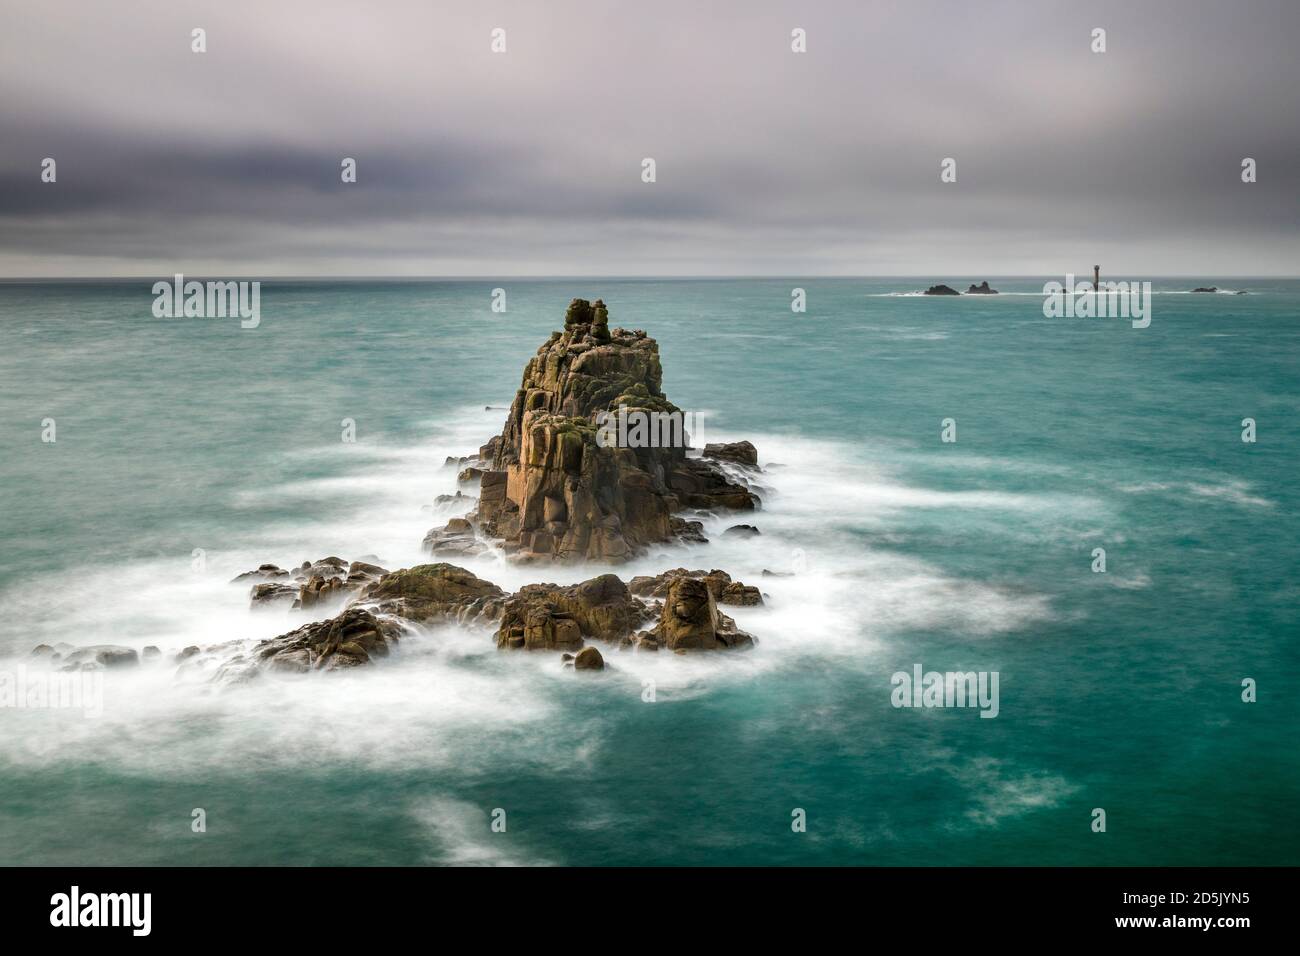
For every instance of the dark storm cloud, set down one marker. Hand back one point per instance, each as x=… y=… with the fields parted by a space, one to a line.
x=768 y=161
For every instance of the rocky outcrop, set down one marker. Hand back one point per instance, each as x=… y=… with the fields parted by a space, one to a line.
x=265 y=572
x=459 y=498
x=679 y=607
x=981 y=289
x=738 y=452
x=457 y=539
x=273 y=594
x=313 y=584
x=656 y=586
x=700 y=484
x=433 y=592
x=1206 y=289
x=351 y=639
x=689 y=532
x=320 y=591
x=719 y=583
x=99 y=656
x=737 y=594
x=690 y=621
x=563 y=484
x=589 y=659
x=550 y=617
x=941 y=290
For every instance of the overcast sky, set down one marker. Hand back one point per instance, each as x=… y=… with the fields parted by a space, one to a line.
x=768 y=162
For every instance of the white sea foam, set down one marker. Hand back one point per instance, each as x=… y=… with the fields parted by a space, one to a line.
x=447 y=697
x=1231 y=490
x=999 y=793
x=1236 y=492
x=460 y=834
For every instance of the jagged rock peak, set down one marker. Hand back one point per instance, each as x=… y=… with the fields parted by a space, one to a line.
x=556 y=487
x=592 y=316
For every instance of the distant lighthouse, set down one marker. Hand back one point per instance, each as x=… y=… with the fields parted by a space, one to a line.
x=1096 y=278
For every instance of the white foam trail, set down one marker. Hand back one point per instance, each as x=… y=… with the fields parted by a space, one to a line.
x=448 y=697
x=999 y=794
x=1232 y=490
x=461 y=835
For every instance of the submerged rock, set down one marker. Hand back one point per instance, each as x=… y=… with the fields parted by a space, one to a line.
x=741 y=531
x=456 y=539
x=1205 y=289
x=264 y=572
x=457 y=499
x=100 y=655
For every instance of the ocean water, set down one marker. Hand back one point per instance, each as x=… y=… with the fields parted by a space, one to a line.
x=1119 y=690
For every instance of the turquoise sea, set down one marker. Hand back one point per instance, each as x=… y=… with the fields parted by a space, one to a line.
x=1119 y=690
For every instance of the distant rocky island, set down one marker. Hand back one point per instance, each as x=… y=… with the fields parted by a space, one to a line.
x=981 y=289
x=550 y=491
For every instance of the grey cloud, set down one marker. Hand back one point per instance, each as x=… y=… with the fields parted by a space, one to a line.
x=768 y=162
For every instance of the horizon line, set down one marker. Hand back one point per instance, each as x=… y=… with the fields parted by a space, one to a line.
x=360 y=277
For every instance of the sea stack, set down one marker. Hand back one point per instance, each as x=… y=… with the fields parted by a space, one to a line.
x=1096 y=278
x=553 y=484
